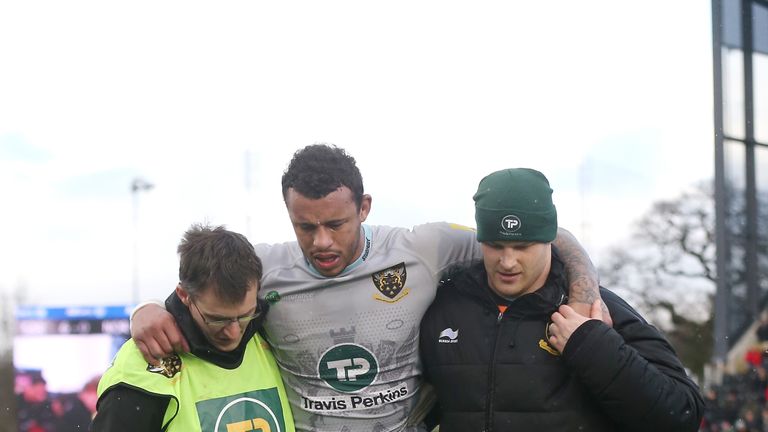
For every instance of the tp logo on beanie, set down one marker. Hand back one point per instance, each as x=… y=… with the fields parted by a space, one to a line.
x=510 y=223
x=515 y=205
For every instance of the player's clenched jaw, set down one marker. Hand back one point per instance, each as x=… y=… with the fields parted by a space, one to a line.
x=328 y=228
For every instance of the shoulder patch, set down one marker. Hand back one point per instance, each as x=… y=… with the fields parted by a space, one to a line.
x=169 y=366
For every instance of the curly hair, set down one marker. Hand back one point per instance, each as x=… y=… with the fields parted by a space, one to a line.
x=319 y=169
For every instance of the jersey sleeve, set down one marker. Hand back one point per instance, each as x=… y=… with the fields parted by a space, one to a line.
x=447 y=244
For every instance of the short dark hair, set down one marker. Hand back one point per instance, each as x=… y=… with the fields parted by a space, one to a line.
x=319 y=169
x=218 y=259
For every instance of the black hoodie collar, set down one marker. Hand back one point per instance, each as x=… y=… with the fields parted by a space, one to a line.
x=199 y=344
x=545 y=300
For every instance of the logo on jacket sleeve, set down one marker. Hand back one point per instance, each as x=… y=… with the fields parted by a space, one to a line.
x=449 y=335
x=390 y=282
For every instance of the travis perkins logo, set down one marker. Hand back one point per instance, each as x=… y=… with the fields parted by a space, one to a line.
x=350 y=368
x=510 y=224
x=390 y=282
x=354 y=402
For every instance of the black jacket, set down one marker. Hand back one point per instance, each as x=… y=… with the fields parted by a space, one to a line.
x=495 y=371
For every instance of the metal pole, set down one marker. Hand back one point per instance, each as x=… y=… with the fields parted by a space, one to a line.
x=248 y=182
x=137 y=185
x=135 y=280
x=753 y=295
x=722 y=293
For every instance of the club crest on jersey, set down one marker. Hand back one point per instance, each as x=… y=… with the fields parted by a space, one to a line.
x=391 y=283
x=169 y=366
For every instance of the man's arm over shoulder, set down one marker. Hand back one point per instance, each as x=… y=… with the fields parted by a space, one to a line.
x=125 y=409
x=633 y=372
x=439 y=244
x=583 y=283
x=275 y=256
x=155 y=332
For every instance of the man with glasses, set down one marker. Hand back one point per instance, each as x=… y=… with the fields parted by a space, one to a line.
x=229 y=379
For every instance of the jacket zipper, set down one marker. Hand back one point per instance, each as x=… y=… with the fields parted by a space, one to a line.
x=492 y=375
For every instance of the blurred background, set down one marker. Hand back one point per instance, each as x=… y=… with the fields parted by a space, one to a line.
x=123 y=124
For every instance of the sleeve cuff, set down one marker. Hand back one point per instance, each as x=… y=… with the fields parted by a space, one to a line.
x=145 y=303
x=579 y=336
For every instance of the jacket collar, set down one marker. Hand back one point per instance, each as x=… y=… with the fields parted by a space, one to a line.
x=199 y=344
x=544 y=301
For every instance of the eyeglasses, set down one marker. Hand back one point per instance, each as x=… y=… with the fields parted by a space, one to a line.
x=219 y=324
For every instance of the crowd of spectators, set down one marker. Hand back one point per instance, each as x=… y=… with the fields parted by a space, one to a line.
x=38 y=410
x=739 y=403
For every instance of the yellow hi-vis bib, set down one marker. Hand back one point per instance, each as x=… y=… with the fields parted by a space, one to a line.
x=206 y=397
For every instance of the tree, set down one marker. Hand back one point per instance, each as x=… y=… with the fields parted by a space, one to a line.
x=667 y=271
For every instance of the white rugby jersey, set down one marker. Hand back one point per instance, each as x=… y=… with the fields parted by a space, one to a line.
x=348 y=346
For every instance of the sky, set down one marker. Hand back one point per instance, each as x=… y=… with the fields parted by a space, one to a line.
x=612 y=100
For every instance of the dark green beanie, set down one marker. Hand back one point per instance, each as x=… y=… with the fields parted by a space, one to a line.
x=515 y=205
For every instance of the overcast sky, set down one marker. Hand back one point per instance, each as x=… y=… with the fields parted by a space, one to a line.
x=612 y=100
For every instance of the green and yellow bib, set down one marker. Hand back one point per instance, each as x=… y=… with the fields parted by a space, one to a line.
x=206 y=397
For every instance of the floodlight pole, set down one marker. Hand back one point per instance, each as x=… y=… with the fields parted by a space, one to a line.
x=137 y=185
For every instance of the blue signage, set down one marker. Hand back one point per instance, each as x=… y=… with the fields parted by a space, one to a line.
x=73 y=312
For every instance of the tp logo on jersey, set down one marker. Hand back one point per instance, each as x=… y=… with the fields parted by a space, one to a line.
x=348 y=367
